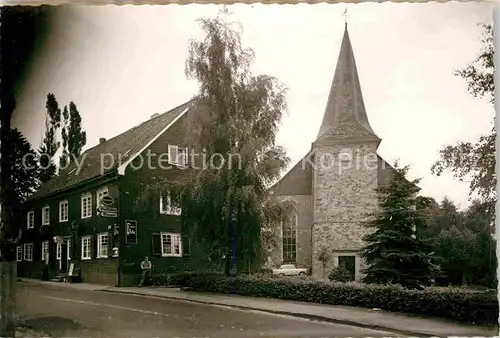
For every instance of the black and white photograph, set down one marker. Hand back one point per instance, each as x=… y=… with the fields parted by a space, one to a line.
x=248 y=170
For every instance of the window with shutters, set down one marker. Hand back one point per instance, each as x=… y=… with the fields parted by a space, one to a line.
x=177 y=155
x=46 y=215
x=58 y=251
x=63 y=211
x=30 y=220
x=19 y=253
x=45 y=251
x=171 y=245
x=102 y=245
x=28 y=251
x=68 y=249
x=86 y=247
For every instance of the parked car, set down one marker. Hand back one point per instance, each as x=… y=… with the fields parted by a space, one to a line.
x=289 y=270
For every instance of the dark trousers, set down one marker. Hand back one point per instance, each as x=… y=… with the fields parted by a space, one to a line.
x=146 y=276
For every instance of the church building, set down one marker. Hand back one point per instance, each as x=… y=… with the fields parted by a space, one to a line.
x=333 y=187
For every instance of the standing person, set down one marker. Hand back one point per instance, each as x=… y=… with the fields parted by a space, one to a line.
x=146 y=270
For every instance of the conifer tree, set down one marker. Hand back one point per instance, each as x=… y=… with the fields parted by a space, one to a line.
x=393 y=252
x=49 y=145
x=73 y=136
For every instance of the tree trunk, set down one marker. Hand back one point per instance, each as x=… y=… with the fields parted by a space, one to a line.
x=8 y=279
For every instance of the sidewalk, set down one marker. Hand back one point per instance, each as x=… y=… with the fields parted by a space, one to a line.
x=360 y=317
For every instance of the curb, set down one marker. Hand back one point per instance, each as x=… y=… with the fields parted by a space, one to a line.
x=293 y=314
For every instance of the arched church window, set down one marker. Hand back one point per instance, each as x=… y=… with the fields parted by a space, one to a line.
x=289 y=237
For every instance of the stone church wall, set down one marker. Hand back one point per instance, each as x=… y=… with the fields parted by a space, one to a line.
x=345 y=196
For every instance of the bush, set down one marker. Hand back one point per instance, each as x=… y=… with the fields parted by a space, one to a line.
x=177 y=279
x=452 y=303
x=340 y=274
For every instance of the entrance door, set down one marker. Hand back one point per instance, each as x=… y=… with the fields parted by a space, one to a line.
x=349 y=264
x=64 y=257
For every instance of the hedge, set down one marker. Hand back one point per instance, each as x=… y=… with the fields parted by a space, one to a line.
x=451 y=303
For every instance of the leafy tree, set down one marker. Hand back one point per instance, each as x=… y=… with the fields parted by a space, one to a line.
x=455 y=249
x=484 y=260
x=476 y=160
x=50 y=145
x=393 y=252
x=236 y=127
x=463 y=242
x=73 y=136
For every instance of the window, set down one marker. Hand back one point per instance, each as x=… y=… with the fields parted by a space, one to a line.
x=171 y=245
x=86 y=205
x=31 y=220
x=45 y=251
x=289 y=238
x=182 y=156
x=349 y=264
x=28 y=251
x=19 y=253
x=58 y=251
x=63 y=211
x=100 y=194
x=102 y=246
x=177 y=155
x=86 y=247
x=167 y=207
x=46 y=215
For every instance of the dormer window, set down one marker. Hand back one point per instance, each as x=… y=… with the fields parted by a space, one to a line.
x=167 y=206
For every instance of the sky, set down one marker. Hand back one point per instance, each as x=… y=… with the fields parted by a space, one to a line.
x=121 y=64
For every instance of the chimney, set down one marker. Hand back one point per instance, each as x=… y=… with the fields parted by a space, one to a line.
x=154 y=115
x=102 y=140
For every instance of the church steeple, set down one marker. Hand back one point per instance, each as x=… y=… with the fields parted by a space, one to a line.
x=345 y=102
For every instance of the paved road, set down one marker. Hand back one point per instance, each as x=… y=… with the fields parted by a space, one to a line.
x=65 y=312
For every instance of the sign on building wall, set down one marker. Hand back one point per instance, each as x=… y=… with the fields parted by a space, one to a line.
x=106 y=208
x=131 y=232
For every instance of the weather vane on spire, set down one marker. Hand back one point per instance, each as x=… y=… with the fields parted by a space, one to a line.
x=345 y=16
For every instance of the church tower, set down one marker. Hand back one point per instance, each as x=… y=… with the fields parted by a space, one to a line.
x=345 y=173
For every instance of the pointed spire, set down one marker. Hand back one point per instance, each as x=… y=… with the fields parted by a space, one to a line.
x=345 y=101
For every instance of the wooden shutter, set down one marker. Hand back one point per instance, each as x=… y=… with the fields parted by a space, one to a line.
x=77 y=243
x=93 y=247
x=36 y=252
x=186 y=245
x=156 y=244
x=52 y=252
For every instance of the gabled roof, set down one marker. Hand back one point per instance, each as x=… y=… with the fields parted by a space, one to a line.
x=120 y=148
x=297 y=181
